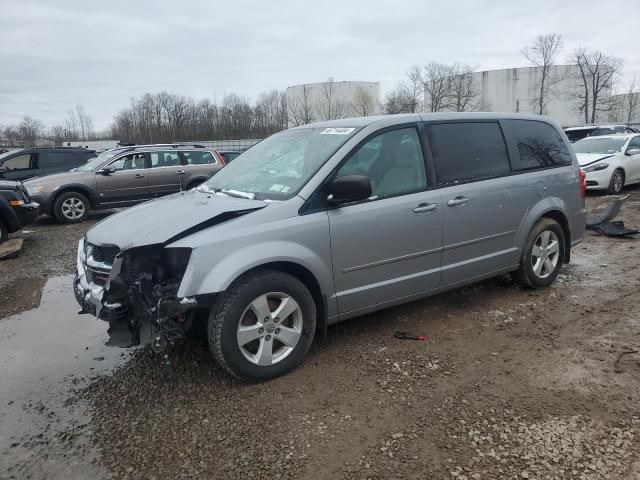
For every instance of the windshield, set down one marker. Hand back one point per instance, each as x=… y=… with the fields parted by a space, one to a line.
x=277 y=167
x=97 y=161
x=599 y=145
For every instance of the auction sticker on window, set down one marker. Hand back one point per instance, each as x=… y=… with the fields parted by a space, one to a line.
x=337 y=131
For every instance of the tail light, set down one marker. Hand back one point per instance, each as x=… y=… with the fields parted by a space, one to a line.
x=583 y=184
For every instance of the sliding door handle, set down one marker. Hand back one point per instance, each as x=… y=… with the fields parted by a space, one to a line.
x=458 y=201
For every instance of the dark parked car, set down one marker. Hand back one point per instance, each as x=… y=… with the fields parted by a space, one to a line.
x=578 y=133
x=123 y=177
x=36 y=162
x=16 y=208
x=228 y=155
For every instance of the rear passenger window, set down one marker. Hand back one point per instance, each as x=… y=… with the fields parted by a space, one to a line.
x=56 y=160
x=198 y=158
x=164 y=159
x=466 y=152
x=539 y=145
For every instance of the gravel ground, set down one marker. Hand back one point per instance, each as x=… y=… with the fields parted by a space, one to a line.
x=512 y=383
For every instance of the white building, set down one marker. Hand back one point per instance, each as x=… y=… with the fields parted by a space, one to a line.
x=515 y=90
x=330 y=100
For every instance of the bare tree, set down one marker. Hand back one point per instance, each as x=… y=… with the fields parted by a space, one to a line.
x=596 y=74
x=30 y=130
x=436 y=81
x=405 y=98
x=330 y=105
x=85 y=124
x=363 y=103
x=542 y=54
x=300 y=108
x=463 y=94
x=56 y=134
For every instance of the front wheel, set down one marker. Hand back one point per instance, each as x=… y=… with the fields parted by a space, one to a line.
x=617 y=182
x=542 y=255
x=71 y=207
x=263 y=326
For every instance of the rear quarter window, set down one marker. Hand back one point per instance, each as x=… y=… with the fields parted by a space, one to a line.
x=538 y=145
x=467 y=151
x=57 y=160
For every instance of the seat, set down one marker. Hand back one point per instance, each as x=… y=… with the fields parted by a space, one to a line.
x=398 y=169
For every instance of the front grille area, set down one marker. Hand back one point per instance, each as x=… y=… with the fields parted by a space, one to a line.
x=97 y=277
x=103 y=254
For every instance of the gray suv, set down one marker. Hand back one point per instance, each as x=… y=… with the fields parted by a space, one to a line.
x=325 y=222
x=123 y=177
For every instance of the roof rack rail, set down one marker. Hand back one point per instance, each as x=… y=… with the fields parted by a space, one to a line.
x=172 y=145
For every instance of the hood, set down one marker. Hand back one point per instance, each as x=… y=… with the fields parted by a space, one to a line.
x=9 y=185
x=168 y=218
x=585 y=159
x=56 y=178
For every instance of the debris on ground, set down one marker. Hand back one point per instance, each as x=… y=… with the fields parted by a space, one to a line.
x=409 y=336
x=601 y=221
x=616 y=366
x=10 y=248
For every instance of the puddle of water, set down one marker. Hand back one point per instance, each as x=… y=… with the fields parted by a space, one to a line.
x=45 y=354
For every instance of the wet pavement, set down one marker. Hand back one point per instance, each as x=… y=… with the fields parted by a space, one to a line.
x=48 y=353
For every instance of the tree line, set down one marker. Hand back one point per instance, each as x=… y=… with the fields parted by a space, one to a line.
x=165 y=117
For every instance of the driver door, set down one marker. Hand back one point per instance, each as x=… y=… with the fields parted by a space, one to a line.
x=388 y=247
x=127 y=185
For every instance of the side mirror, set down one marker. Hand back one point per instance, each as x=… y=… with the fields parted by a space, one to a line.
x=108 y=170
x=633 y=151
x=349 y=188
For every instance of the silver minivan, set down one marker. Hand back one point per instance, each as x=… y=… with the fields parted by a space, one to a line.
x=328 y=221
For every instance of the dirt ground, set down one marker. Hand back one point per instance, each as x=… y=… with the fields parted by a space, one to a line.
x=511 y=383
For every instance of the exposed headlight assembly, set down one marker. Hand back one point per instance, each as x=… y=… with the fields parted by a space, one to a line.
x=35 y=189
x=596 y=167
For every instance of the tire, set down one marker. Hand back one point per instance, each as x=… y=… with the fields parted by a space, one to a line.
x=4 y=232
x=71 y=207
x=531 y=273
x=617 y=182
x=243 y=307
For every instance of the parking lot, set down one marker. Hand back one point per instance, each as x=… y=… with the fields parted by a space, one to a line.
x=511 y=383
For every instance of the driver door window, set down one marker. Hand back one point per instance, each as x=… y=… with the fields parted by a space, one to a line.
x=135 y=161
x=392 y=161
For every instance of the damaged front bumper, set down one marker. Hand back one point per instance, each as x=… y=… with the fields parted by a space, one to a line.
x=135 y=292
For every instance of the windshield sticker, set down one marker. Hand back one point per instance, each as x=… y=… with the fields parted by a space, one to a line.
x=337 y=131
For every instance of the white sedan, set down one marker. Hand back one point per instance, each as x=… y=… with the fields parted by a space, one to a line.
x=610 y=161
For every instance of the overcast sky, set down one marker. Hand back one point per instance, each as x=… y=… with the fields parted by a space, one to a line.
x=58 y=53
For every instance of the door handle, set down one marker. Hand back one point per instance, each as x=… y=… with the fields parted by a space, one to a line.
x=180 y=172
x=138 y=175
x=458 y=201
x=425 y=207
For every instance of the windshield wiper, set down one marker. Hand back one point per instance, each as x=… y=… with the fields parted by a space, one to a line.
x=235 y=193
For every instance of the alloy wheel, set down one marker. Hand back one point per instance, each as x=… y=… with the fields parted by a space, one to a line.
x=269 y=328
x=545 y=254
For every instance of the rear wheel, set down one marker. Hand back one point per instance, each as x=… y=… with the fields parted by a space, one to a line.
x=617 y=182
x=71 y=207
x=542 y=255
x=263 y=327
